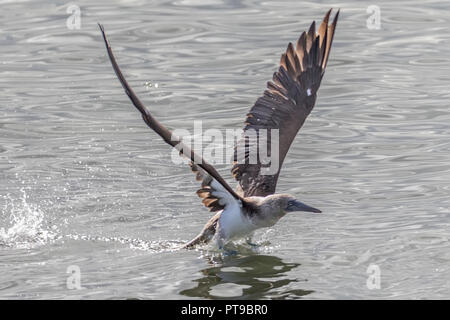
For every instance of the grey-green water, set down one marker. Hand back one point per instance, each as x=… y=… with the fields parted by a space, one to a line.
x=84 y=183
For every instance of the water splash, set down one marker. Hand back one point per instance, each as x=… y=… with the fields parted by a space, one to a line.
x=26 y=224
x=135 y=244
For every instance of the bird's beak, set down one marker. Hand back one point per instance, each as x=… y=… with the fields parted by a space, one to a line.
x=295 y=205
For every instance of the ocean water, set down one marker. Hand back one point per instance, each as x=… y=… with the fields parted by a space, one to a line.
x=92 y=207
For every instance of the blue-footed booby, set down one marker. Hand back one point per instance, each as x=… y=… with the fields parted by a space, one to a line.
x=285 y=104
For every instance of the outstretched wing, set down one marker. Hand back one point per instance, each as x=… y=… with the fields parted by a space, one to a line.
x=285 y=105
x=167 y=135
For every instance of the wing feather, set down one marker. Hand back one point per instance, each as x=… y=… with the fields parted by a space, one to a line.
x=284 y=106
x=208 y=171
x=214 y=196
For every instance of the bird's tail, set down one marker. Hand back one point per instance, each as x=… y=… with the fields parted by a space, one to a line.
x=207 y=233
x=200 y=239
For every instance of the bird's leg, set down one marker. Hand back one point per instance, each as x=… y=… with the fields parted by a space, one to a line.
x=226 y=252
x=221 y=244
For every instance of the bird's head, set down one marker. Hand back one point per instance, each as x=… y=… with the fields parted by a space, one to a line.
x=273 y=207
x=287 y=203
x=295 y=205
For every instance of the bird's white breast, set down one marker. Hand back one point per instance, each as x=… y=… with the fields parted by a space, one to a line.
x=233 y=224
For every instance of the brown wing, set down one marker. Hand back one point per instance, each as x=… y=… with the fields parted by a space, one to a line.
x=285 y=105
x=165 y=133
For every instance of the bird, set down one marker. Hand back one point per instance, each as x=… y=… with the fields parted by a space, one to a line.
x=284 y=106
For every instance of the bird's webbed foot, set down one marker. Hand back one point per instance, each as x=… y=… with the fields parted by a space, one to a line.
x=229 y=252
x=248 y=240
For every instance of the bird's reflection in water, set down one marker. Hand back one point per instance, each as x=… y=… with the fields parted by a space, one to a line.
x=255 y=276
